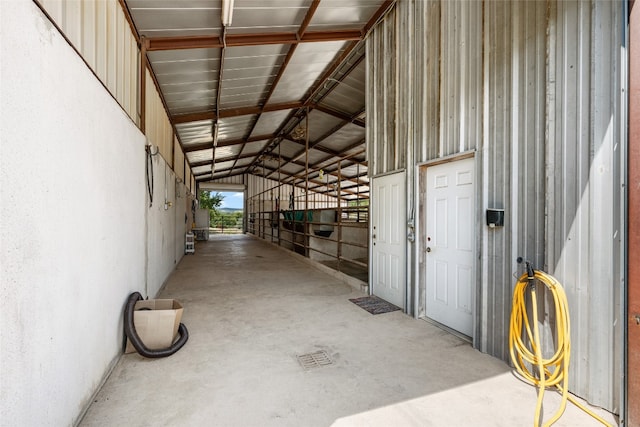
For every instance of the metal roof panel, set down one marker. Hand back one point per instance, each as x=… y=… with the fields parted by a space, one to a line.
x=288 y=149
x=243 y=163
x=188 y=74
x=291 y=169
x=161 y=18
x=254 y=147
x=234 y=127
x=223 y=153
x=345 y=137
x=320 y=123
x=225 y=165
x=200 y=156
x=263 y=16
x=201 y=169
x=269 y=122
x=348 y=95
x=305 y=67
x=194 y=133
x=344 y=14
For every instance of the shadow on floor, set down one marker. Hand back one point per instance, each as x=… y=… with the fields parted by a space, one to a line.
x=353 y=270
x=254 y=312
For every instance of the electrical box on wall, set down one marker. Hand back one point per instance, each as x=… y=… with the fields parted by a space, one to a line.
x=495 y=218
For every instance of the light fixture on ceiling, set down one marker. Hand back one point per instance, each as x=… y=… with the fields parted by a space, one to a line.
x=298 y=133
x=214 y=133
x=227 y=12
x=321 y=175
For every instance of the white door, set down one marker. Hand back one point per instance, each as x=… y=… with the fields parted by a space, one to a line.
x=388 y=238
x=450 y=244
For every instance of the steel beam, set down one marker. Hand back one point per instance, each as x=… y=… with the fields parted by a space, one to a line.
x=237 y=40
x=209 y=145
x=234 y=112
x=633 y=215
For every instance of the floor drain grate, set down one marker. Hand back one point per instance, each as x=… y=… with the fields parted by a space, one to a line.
x=314 y=360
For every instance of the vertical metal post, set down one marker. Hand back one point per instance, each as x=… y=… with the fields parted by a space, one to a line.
x=306 y=183
x=263 y=198
x=633 y=219
x=279 y=193
x=339 y=215
x=358 y=192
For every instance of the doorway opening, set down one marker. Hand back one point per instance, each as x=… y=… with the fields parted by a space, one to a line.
x=221 y=212
x=388 y=231
x=448 y=244
x=228 y=217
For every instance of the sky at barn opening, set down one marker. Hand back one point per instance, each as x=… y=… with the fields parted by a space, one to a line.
x=231 y=200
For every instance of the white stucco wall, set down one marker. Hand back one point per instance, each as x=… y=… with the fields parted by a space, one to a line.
x=72 y=230
x=165 y=240
x=182 y=206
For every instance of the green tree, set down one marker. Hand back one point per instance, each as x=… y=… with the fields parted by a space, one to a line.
x=211 y=201
x=228 y=221
x=237 y=216
x=208 y=200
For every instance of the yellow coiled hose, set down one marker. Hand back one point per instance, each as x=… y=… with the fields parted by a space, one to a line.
x=552 y=371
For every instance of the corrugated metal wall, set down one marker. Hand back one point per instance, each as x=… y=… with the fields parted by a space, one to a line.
x=433 y=90
x=158 y=127
x=584 y=234
x=534 y=88
x=235 y=179
x=460 y=52
x=512 y=153
x=100 y=32
x=382 y=142
x=178 y=159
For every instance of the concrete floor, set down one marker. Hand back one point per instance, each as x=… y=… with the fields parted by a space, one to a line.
x=251 y=308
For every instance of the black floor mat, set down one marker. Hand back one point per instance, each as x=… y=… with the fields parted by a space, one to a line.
x=374 y=305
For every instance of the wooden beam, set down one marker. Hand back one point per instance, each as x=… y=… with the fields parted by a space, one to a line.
x=237 y=40
x=278 y=134
x=311 y=146
x=299 y=35
x=307 y=18
x=220 y=160
x=234 y=112
x=329 y=72
x=347 y=118
x=294 y=176
x=328 y=171
x=345 y=54
x=348 y=187
x=221 y=143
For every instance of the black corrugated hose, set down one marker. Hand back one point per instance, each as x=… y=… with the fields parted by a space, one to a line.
x=130 y=332
x=149 y=173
